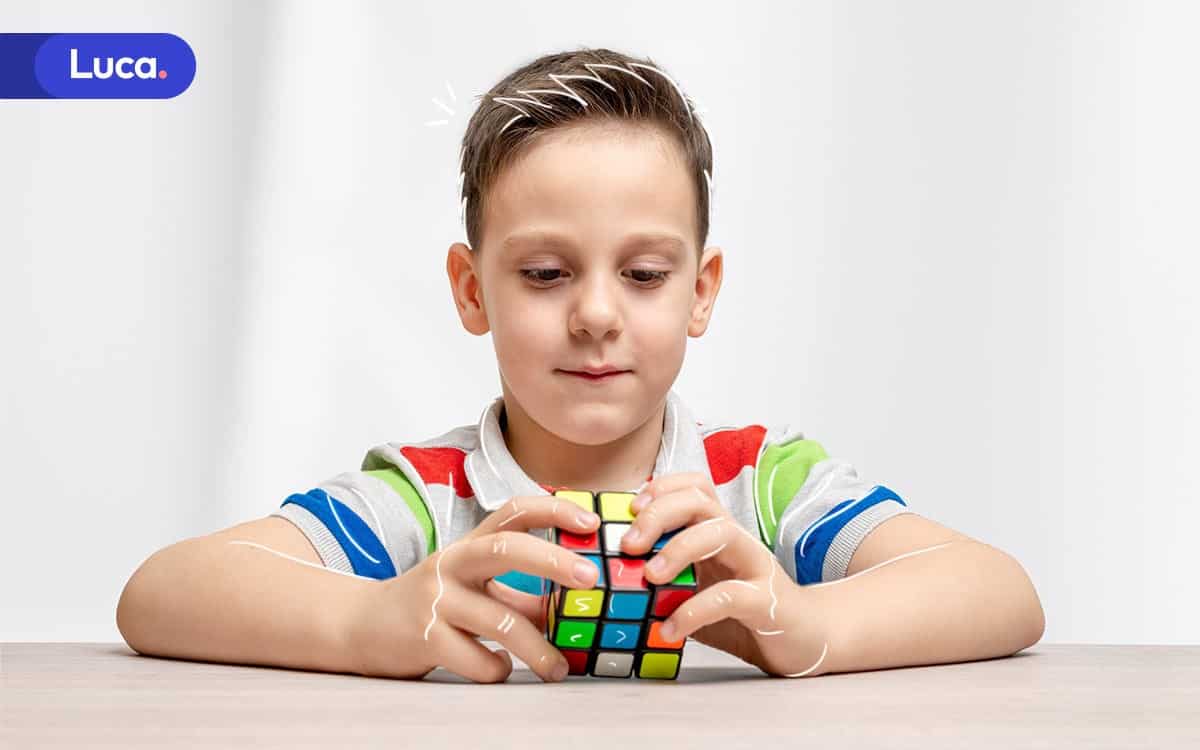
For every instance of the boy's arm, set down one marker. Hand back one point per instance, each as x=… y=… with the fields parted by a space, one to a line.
x=206 y=599
x=961 y=602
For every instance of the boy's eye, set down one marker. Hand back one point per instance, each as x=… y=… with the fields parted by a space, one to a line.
x=642 y=276
x=539 y=274
x=649 y=276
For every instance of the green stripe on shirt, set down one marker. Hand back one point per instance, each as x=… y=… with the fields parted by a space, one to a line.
x=781 y=472
x=400 y=483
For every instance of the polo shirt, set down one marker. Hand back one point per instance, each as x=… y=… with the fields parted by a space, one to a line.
x=408 y=500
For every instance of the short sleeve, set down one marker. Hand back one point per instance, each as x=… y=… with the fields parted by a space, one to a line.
x=369 y=523
x=814 y=510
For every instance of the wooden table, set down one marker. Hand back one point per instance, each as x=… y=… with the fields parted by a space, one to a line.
x=104 y=695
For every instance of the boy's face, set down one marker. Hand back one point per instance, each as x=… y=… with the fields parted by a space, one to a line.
x=588 y=259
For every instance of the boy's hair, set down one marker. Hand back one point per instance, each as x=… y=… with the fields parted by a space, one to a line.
x=551 y=92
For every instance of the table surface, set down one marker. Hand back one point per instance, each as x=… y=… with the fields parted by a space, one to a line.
x=1061 y=696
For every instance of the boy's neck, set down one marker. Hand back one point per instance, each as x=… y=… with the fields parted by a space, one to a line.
x=547 y=459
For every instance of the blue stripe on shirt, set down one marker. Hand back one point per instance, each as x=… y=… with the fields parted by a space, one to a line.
x=367 y=554
x=814 y=543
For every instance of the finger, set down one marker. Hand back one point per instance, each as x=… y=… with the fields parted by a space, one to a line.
x=719 y=538
x=474 y=612
x=495 y=554
x=684 y=507
x=745 y=601
x=669 y=483
x=523 y=513
x=530 y=606
x=461 y=654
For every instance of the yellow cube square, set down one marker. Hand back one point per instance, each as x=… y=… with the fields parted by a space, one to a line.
x=659 y=666
x=582 y=499
x=614 y=506
x=583 y=603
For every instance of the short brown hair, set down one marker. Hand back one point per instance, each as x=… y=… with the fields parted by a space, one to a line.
x=549 y=93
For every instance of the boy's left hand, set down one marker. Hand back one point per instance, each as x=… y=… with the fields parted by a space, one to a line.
x=746 y=604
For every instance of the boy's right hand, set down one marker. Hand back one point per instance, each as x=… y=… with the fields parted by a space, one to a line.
x=433 y=614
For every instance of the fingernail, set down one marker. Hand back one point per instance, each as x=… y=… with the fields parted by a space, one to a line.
x=559 y=673
x=667 y=631
x=585 y=573
x=639 y=501
x=656 y=566
x=632 y=535
x=584 y=518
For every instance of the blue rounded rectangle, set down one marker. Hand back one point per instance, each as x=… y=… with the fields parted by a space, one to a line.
x=628 y=605
x=620 y=635
x=114 y=66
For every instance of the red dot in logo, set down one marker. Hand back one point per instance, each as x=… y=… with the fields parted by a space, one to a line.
x=162 y=74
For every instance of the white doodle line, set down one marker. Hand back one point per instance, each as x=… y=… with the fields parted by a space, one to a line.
x=329 y=500
x=713 y=553
x=374 y=517
x=824 y=521
x=442 y=106
x=740 y=582
x=817 y=492
x=296 y=559
x=771 y=496
x=506 y=623
x=824 y=651
x=437 y=569
x=880 y=565
x=510 y=518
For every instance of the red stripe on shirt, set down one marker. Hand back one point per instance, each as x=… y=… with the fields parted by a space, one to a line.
x=730 y=450
x=438 y=465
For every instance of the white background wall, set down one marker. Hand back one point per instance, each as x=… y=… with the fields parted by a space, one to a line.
x=967 y=232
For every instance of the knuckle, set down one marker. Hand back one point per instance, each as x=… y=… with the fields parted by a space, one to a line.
x=509 y=538
x=495 y=543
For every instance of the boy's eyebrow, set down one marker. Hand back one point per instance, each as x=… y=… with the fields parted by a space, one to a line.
x=638 y=239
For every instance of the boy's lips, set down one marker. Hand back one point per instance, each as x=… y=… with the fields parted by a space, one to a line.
x=602 y=373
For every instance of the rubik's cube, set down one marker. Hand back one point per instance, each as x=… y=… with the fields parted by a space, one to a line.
x=613 y=630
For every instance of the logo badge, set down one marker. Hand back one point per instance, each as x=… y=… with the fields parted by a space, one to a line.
x=95 y=66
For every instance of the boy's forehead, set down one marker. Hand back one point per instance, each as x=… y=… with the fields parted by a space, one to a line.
x=632 y=182
x=665 y=242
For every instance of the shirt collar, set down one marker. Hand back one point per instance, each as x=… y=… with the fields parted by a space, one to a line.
x=495 y=475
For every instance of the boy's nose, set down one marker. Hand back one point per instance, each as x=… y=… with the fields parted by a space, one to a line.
x=597 y=311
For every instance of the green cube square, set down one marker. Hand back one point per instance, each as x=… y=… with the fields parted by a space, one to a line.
x=575 y=634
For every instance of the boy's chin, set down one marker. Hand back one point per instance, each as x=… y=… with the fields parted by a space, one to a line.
x=594 y=420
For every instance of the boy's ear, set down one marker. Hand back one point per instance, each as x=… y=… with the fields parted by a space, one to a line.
x=708 y=283
x=466 y=288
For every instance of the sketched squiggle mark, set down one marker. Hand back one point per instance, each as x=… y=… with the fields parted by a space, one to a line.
x=437 y=569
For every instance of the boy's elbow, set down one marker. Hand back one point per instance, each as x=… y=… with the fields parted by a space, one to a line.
x=1031 y=623
x=1039 y=627
x=132 y=610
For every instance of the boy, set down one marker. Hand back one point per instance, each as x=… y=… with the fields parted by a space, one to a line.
x=585 y=197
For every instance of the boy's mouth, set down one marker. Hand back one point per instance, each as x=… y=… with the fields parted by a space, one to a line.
x=597 y=374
